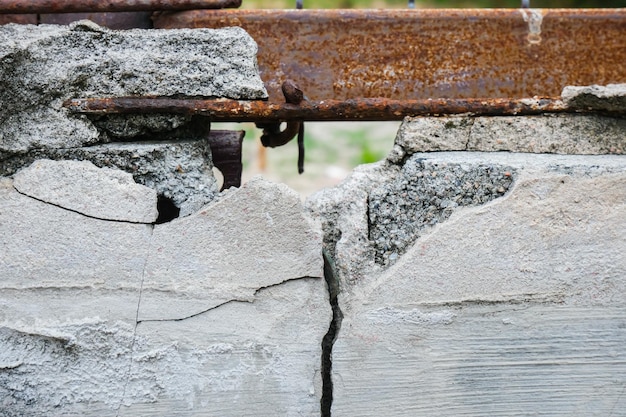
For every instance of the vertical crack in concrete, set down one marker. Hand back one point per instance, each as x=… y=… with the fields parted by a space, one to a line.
x=330 y=337
x=134 y=337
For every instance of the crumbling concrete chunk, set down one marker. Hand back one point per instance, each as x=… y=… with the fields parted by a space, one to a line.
x=424 y=193
x=611 y=97
x=82 y=187
x=42 y=66
x=180 y=171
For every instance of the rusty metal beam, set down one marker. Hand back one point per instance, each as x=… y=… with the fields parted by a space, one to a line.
x=78 y=6
x=417 y=54
x=372 y=109
x=22 y=19
x=113 y=20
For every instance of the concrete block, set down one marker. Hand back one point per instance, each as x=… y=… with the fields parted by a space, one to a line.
x=556 y=133
x=219 y=313
x=180 y=171
x=512 y=305
x=81 y=187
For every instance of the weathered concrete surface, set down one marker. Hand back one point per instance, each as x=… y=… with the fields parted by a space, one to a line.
x=560 y=134
x=611 y=97
x=41 y=66
x=180 y=171
x=82 y=187
x=108 y=318
x=514 y=306
x=248 y=241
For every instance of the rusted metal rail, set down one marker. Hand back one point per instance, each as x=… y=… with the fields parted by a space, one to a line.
x=74 y=6
x=419 y=54
x=366 y=109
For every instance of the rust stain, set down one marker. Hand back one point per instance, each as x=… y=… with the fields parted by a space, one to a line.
x=418 y=54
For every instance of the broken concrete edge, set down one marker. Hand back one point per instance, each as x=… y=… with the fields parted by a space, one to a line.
x=180 y=172
x=347 y=212
x=44 y=65
x=565 y=133
x=101 y=193
x=610 y=97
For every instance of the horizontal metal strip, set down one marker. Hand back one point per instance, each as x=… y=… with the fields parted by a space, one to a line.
x=422 y=53
x=368 y=109
x=75 y=6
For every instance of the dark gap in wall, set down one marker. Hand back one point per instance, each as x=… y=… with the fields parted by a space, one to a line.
x=329 y=338
x=167 y=210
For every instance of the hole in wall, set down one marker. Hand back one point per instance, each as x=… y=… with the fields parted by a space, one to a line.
x=167 y=210
x=333 y=149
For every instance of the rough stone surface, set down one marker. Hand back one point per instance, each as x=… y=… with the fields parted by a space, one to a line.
x=41 y=66
x=560 y=134
x=180 y=171
x=386 y=207
x=611 y=97
x=102 y=193
x=513 y=306
x=81 y=334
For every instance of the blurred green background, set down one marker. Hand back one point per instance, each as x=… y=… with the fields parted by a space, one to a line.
x=361 y=4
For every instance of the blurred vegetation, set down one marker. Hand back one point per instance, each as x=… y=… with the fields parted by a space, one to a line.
x=363 y=4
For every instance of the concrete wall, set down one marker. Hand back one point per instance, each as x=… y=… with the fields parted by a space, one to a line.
x=478 y=270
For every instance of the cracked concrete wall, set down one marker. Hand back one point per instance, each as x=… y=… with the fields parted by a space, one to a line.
x=460 y=279
x=103 y=311
x=483 y=283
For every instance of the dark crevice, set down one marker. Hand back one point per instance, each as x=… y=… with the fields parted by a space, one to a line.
x=234 y=300
x=329 y=339
x=167 y=210
x=76 y=211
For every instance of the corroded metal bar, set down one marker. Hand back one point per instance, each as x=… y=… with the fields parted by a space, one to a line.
x=226 y=153
x=22 y=19
x=368 y=109
x=422 y=53
x=77 y=6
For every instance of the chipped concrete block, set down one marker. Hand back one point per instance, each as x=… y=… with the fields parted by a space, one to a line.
x=111 y=318
x=180 y=171
x=611 y=97
x=252 y=238
x=82 y=187
x=383 y=208
x=511 y=305
x=560 y=134
x=42 y=66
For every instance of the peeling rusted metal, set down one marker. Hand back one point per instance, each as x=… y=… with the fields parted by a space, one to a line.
x=22 y=19
x=78 y=6
x=418 y=54
x=367 y=109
